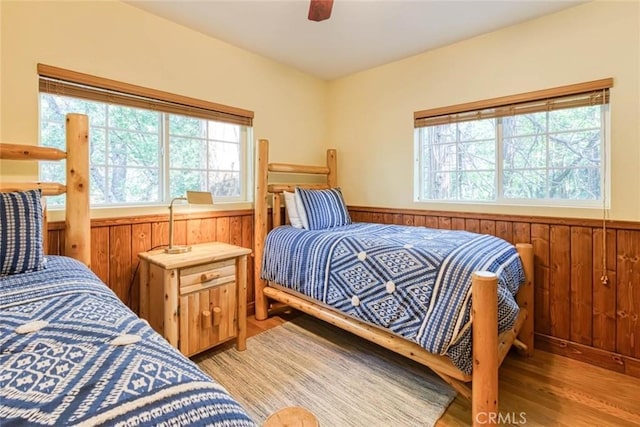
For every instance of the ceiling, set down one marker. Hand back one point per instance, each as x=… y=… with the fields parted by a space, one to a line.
x=360 y=34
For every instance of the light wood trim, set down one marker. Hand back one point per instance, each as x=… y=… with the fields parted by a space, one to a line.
x=332 y=165
x=291 y=168
x=104 y=83
x=379 y=336
x=171 y=318
x=525 y=298
x=279 y=188
x=144 y=289
x=30 y=152
x=45 y=227
x=78 y=222
x=48 y=188
x=276 y=209
x=241 y=283
x=508 y=337
x=260 y=226
x=574 y=222
x=146 y=219
x=484 y=399
x=514 y=99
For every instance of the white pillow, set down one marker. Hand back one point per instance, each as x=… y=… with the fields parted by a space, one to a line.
x=292 y=210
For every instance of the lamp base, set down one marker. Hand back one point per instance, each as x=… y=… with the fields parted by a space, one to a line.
x=177 y=249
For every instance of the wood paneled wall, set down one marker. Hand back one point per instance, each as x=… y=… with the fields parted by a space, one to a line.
x=115 y=244
x=576 y=314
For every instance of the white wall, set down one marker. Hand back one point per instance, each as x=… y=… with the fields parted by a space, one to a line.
x=371 y=113
x=118 y=41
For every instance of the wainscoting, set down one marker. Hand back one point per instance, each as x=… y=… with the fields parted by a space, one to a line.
x=115 y=244
x=576 y=315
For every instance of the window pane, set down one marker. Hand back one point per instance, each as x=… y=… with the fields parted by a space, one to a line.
x=187 y=126
x=442 y=186
x=129 y=185
x=128 y=144
x=184 y=180
x=477 y=155
x=575 y=184
x=53 y=134
x=574 y=149
x=440 y=134
x=134 y=119
x=226 y=184
x=56 y=107
x=97 y=146
x=53 y=171
x=575 y=118
x=477 y=185
x=524 y=124
x=525 y=152
x=224 y=156
x=98 y=185
x=477 y=129
x=224 y=131
x=443 y=157
x=187 y=153
x=525 y=184
x=133 y=149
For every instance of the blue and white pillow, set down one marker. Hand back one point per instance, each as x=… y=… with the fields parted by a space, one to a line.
x=21 y=218
x=322 y=208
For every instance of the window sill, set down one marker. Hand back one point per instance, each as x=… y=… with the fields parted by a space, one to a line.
x=57 y=214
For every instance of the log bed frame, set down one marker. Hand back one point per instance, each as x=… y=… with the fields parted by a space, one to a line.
x=77 y=221
x=487 y=357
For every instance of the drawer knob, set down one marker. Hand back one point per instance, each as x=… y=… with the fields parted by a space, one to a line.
x=217 y=315
x=206 y=319
x=205 y=277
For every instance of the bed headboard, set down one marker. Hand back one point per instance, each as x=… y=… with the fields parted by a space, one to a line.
x=265 y=190
x=77 y=220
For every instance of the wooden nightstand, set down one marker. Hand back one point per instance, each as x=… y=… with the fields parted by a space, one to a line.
x=197 y=299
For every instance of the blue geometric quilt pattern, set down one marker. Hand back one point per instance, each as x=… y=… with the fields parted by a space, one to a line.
x=414 y=281
x=70 y=371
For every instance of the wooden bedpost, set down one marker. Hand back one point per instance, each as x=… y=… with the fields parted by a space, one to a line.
x=525 y=299
x=260 y=227
x=332 y=164
x=78 y=222
x=484 y=400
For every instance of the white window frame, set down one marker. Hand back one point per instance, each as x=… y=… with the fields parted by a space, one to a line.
x=605 y=174
x=245 y=172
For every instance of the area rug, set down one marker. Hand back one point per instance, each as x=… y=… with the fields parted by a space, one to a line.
x=344 y=380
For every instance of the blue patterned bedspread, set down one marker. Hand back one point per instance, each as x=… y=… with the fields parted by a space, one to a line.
x=414 y=281
x=72 y=372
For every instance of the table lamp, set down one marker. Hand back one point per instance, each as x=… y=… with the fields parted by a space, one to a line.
x=194 y=198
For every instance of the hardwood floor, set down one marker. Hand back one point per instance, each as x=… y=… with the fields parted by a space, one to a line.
x=544 y=390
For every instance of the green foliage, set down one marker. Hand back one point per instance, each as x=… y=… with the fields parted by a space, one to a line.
x=545 y=155
x=126 y=147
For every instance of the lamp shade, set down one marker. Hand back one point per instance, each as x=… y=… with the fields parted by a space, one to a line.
x=194 y=198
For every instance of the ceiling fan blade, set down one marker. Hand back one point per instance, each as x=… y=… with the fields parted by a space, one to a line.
x=319 y=10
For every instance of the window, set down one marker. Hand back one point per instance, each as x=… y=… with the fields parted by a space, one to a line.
x=542 y=151
x=145 y=156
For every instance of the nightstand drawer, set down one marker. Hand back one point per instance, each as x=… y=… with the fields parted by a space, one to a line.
x=207 y=275
x=207 y=318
